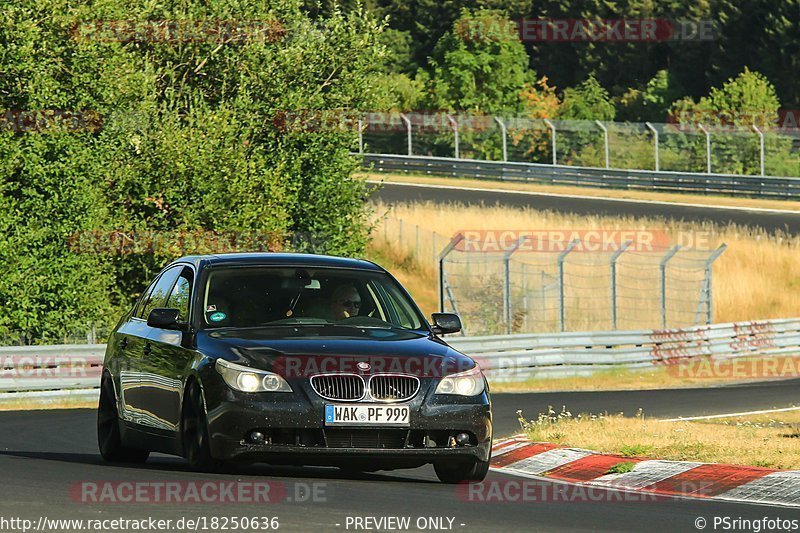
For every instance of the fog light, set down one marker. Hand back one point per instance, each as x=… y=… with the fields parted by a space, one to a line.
x=256 y=437
x=462 y=439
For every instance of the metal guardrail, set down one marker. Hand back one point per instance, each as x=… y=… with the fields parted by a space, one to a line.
x=514 y=357
x=736 y=184
x=50 y=372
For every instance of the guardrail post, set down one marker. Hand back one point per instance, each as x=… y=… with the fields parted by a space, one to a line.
x=507 y=283
x=455 y=132
x=708 y=148
x=505 y=137
x=442 y=256
x=662 y=268
x=561 y=257
x=408 y=132
x=605 y=139
x=761 y=148
x=614 y=258
x=552 y=139
x=655 y=143
x=360 y=137
x=709 y=292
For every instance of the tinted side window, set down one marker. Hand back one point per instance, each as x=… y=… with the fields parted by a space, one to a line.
x=143 y=300
x=181 y=293
x=161 y=291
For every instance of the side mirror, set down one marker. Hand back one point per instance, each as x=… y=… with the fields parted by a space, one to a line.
x=163 y=318
x=444 y=323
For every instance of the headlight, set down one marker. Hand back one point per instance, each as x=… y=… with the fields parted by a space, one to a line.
x=247 y=379
x=469 y=383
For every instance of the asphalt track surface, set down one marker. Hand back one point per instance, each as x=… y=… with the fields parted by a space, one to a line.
x=46 y=454
x=769 y=221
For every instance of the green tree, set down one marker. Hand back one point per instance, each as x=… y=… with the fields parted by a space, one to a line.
x=652 y=102
x=587 y=101
x=195 y=137
x=480 y=65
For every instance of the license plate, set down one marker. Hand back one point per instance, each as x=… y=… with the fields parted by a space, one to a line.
x=369 y=415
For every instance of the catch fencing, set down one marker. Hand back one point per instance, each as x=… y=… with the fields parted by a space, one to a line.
x=660 y=147
x=544 y=285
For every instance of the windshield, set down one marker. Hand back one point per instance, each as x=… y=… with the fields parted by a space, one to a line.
x=269 y=296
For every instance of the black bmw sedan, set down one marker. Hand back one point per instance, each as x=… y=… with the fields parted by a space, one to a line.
x=291 y=359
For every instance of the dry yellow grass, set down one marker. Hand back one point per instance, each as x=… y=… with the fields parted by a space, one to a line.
x=758 y=277
x=32 y=404
x=718 y=200
x=772 y=446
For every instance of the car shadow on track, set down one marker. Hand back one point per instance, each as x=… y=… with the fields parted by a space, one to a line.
x=164 y=463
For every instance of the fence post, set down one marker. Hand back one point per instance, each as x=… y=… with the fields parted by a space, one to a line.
x=544 y=298
x=455 y=132
x=447 y=249
x=662 y=267
x=614 y=258
x=605 y=139
x=655 y=143
x=507 y=283
x=708 y=148
x=505 y=137
x=552 y=139
x=709 y=296
x=408 y=132
x=561 y=257
x=400 y=232
x=524 y=297
x=360 y=136
x=761 y=150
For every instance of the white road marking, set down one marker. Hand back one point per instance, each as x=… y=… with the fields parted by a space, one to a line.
x=729 y=415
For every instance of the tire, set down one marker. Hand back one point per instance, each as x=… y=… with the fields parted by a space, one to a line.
x=109 y=438
x=460 y=472
x=194 y=433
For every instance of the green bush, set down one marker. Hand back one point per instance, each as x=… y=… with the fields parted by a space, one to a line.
x=189 y=142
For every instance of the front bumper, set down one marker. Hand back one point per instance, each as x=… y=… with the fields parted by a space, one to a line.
x=296 y=432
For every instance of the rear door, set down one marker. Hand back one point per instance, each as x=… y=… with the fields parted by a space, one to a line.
x=129 y=341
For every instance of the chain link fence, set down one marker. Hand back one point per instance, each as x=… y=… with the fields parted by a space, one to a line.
x=540 y=285
x=633 y=146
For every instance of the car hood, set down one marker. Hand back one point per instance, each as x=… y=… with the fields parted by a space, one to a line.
x=287 y=352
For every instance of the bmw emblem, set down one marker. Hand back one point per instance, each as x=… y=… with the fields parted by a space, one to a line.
x=363 y=366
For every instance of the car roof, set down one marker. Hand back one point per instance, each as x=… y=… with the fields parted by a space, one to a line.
x=278 y=259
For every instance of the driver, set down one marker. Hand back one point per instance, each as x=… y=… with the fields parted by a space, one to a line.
x=345 y=302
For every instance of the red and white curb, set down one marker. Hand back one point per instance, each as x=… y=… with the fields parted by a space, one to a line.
x=521 y=457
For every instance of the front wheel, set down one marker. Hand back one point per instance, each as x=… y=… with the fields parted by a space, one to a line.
x=461 y=472
x=194 y=432
x=109 y=439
